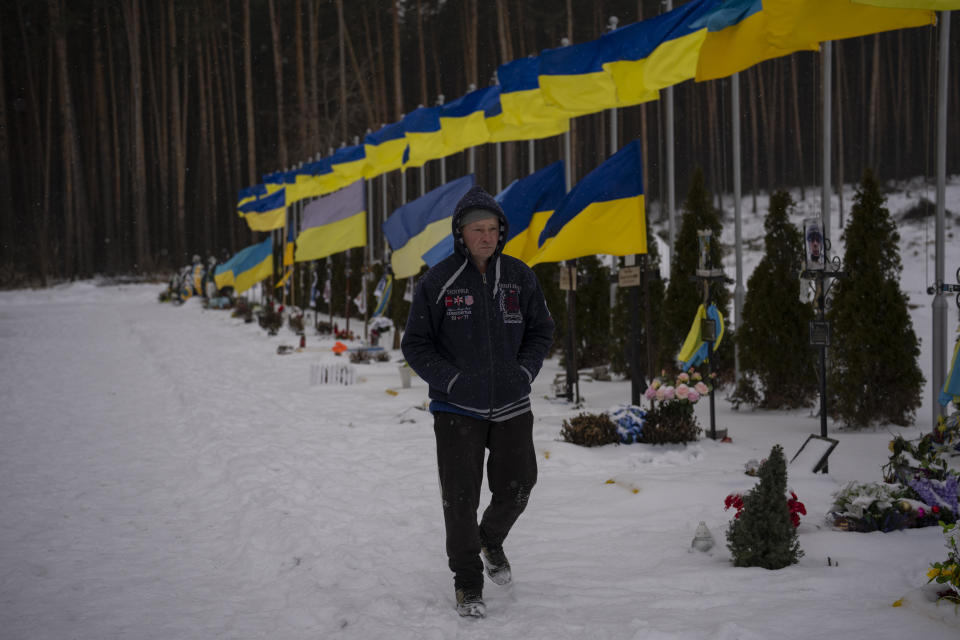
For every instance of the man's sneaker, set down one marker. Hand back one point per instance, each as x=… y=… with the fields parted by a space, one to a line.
x=470 y=603
x=498 y=567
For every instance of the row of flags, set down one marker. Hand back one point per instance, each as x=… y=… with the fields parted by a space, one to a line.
x=603 y=214
x=536 y=96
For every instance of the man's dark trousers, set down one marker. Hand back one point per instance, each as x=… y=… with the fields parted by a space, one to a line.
x=511 y=473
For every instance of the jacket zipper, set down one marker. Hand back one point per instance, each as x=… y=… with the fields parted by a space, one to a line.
x=488 y=323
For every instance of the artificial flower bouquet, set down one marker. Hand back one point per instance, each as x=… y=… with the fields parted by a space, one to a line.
x=882 y=506
x=671 y=417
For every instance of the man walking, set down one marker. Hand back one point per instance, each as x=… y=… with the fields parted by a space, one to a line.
x=477 y=333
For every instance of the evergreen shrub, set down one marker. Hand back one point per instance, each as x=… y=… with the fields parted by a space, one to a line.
x=764 y=535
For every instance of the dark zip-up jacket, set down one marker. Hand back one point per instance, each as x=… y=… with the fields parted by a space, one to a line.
x=479 y=339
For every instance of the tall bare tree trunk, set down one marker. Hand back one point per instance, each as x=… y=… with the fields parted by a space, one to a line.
x=874 y=105
x=177 y=143
x=158 y=100
x=341 y=28
x=397 y=86
x=121 y=206
x=754 y=138
x=767 y=127
x=423 y=55
x=797 y=127
x=131 y=10
x=73 y=203
x=278 y=83
x=248 y=95
x=236 y=153
x=206 y=178
x=314 y=114
x=358 y=72
x=374 y=72
x=303 y=119
x=104 y=145
x=381 y=73
x=6 y=193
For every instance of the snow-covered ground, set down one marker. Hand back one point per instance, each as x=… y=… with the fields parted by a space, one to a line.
x=164 y=474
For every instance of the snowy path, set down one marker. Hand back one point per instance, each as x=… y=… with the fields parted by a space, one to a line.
x=164 y=474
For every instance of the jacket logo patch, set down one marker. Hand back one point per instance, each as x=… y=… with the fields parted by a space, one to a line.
x=510 y=304
x=458 y=304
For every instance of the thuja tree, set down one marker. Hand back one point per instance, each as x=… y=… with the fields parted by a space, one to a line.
x=593 y=312
x=774 y=349
x=763 y=535
x=683 y=294
x=621 y=345
x=873 y=376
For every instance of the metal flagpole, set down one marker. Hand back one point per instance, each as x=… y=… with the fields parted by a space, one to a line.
x=826 y=60
x=940 y=299
x=443 y=160
x=668 y=104
x=738 y=292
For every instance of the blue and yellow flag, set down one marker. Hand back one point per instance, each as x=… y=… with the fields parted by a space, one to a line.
x=348 y=164
x=660 y=52
x=791 y=23
x=223 y=274
x=528 y=203
x=501 y=129
x=382 y=293
x=333 y=223
x=267 y=212
x=384 y=149
x=463 y=121
x=256 y=265
x=312 y=180
x=738 y=38
x=573 y=79
x=424 y=137
x=521 y=98
x=951 y=386
x=418 y=226
x=249 y=194
x=694 y=349
x=603 y=214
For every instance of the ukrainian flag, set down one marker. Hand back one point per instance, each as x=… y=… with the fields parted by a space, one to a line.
x=223 y=275
x=694 y=350
x=463 y=121
x=501 y=130
x=256 y=265
x=419 y=225
x=951 y=386
x=348 y=164
x=603 y=214
x=333 y=223
x=521 y=98
x=266 y=213
x=738 y=38
x=424 y=137
x=312 y=180
x=573 y=78
x=384 y=149
x=529 y=202
x=792 y=23
x=660 y=52
x=249 y=194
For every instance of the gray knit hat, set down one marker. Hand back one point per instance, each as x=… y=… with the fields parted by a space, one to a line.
x=475 y=215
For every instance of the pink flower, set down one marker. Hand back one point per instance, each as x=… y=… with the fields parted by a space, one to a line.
x=693 y=396
x=669 y=393
x=683 y=377
x=650 y=393
x=920 y=511
x=682 y=391
x=655 y=384
x=660 y=394
x=701 y=388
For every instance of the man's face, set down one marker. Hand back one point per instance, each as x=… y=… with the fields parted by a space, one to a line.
x=481 y=238
x=815 y=246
